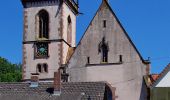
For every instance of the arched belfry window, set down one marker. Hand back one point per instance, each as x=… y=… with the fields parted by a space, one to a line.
x=103 y=49
x=69 y=30
x=43 y=24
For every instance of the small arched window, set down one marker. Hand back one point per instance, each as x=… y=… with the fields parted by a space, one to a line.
x=108 y=94
x=39 y=68
x=45 y=67
x=43 y=24
x=42 y=68
x=69 y=30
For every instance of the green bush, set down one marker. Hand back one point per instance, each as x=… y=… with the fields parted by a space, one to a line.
x=9 y=72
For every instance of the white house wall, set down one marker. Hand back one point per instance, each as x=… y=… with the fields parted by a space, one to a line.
x=165 y=81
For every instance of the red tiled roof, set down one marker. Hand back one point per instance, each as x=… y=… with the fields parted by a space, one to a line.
x=157 y=77
x=154 y=76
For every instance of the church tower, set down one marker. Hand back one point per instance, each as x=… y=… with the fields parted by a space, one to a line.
x=49 y=32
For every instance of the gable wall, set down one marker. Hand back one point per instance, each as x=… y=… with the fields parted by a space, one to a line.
x=126 y=77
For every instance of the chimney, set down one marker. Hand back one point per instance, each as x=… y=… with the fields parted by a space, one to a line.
x=34 y=80
x=57 y=83
x=148 y=66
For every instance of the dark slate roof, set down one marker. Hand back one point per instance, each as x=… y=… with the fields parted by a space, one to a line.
x=44 y=91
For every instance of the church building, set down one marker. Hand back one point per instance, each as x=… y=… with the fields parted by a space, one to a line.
x=105 y=65
x=106 y=53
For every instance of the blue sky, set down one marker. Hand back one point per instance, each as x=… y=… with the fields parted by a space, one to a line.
x=146 y=21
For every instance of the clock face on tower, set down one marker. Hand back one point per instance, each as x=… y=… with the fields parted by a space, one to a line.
x=41 y=50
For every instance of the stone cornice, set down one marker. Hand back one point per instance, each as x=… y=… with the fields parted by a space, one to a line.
x=32 y=3
x=29 y=3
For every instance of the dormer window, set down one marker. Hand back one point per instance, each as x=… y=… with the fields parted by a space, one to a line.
x=43 y=24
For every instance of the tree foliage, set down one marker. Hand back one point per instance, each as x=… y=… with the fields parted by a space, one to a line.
x=9 y=72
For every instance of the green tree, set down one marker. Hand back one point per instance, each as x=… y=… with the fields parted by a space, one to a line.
x=9 y=72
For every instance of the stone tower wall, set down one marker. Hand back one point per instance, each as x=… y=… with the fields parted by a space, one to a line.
x=57 y=44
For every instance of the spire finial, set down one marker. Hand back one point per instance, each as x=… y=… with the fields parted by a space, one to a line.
x=106 y=0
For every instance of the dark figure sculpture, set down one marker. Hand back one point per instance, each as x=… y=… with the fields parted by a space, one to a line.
x=103 y=48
